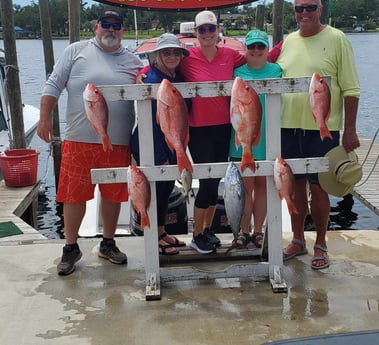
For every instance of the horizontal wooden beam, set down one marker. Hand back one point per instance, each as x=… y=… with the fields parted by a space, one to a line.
x=208 y=170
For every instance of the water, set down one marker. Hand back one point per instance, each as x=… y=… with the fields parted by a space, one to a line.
x=32 y=78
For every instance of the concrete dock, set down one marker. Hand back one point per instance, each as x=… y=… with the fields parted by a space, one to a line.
x=103 y=303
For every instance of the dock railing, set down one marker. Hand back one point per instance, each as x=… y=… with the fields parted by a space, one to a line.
x=143 y=94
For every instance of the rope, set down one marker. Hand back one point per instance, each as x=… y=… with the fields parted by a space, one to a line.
x=54 y=140
x=364 y=160
x=47 y=167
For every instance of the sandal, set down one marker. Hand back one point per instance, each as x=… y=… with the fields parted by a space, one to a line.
x=242 y=240
x=323 y=258
x=295 y=248
x=163 y=249
x=176 y=243
x=257 y=239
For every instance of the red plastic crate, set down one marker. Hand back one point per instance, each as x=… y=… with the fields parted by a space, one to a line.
x=19 y=167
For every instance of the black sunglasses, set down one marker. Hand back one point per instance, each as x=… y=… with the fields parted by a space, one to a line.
x=202 y=29
x=259 y=46
x=107 y=25
x=175 y=52
x=308 y=8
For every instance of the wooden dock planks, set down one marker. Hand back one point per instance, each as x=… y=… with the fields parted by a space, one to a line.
x=14 y=203
x=367 y=190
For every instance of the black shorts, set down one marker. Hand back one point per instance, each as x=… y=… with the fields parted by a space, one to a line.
x=300 y=143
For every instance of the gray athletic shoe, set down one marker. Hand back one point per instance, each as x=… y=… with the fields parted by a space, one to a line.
x=202 y=245
x=67 y=264
x=108 y=250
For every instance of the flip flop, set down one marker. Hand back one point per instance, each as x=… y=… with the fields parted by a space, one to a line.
x=287 y=254
x=177 y=243
x=324 y=257
x=163 y=249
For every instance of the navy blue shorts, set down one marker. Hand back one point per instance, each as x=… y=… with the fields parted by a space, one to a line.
x=300 y=143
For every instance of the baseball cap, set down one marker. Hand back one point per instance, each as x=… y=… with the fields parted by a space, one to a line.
x=205 y=17
x=344 y=172
x=168 y=40
x=111 y=14
x=256 y=36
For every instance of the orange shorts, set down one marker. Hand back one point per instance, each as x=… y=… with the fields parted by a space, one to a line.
x=75 y=173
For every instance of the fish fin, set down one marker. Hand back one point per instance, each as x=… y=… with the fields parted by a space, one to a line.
x=291 y=207
x=186 y=140
x=241 y=108
x=247 y=161
x=237 y=141
x=258 y=137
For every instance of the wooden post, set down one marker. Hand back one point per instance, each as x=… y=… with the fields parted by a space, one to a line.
x=12 y=75
x=74 y=20
x=277 y=21
x=260 y=17
x=49 y=64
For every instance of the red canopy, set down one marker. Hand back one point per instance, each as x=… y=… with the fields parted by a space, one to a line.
x=175 y=5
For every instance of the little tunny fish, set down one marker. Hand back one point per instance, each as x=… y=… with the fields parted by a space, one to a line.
x=172 y=116
x=319 y=97
x=139 y=193
x=246 y=118
x=186 y=179
x=96 y=110
x=284 y=183
x=234 y=197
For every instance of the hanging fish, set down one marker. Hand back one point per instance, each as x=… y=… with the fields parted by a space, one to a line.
x=172 y=116
x=319 y=97
x=246 y=118
x=140 y=194
x=96 y=110
x=186 y=180
x=284 y=183
x=234 y=197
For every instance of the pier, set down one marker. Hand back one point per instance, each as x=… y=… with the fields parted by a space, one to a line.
x=366 y=190
x=19 y=206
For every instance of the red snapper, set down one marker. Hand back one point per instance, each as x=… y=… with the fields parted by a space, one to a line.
x=246 y=118
x=96 y=110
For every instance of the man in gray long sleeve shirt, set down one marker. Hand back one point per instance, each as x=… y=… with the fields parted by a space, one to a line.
x=100 y=61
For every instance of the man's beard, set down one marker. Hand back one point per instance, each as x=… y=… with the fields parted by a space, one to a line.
x=110 y=40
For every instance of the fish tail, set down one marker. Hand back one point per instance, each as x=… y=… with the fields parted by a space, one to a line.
x=247 y=161
x=324 y=132
x=186 y=198
x=145 y=220
x=291 y=207
x=184 y=162
x=107 y=145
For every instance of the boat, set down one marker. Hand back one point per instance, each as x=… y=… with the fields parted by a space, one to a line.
x=30 y=113
x=188 y=39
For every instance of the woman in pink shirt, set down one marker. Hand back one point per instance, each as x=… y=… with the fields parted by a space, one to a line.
x=209 y=121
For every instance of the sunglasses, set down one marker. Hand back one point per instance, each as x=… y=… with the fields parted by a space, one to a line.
x=107 y=25
x=308 y=8
x=259 y=46
x=175 y=52
x=202 y=29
